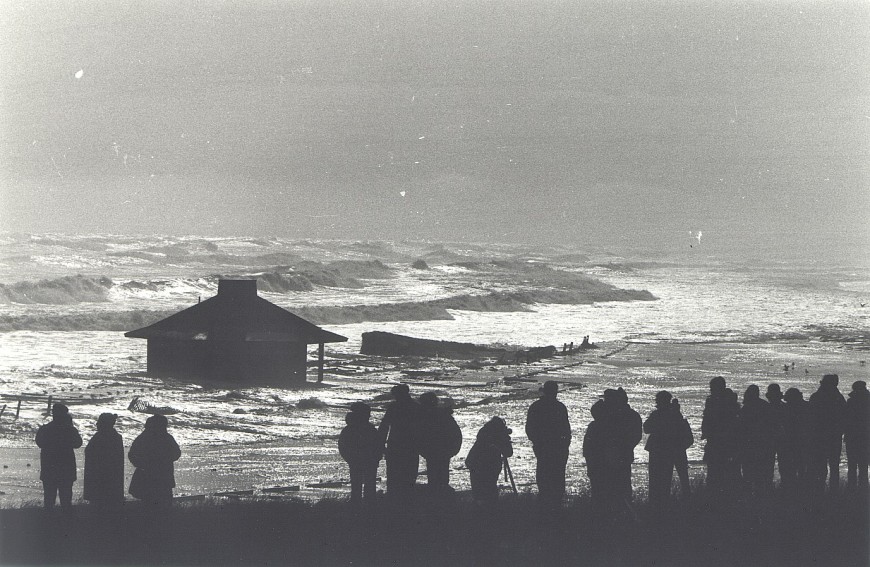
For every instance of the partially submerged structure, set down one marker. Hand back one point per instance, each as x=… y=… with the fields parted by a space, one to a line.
x=235 y=336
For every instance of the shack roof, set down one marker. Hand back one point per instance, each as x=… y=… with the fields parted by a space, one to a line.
x=236 y=313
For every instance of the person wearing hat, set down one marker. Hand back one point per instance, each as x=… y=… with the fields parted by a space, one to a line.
x=827 y=407
x=857 y=434
x=718 y=426
x=793 y=449
x=439 y=439
x=362 y=447
x=664 y=426
x=104 y=465
x=549 y=430
x=58 y=440
x=397 y=429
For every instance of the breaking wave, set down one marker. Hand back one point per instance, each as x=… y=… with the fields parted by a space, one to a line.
x=61 y=291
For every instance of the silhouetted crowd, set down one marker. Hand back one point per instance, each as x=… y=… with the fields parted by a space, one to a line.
x=744 y=444
x=153 y=454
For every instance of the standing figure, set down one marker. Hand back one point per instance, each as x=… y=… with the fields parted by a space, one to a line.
x=58 y=440
x=857 y=434
x=681 y=462
x=439 y=438
x=154 y=453
x=397 y=430
x=827 y=407
x=599 y=450
x=756 y=440
x=548 y=429
x=664 y=426
x=777 y=424
x=794 y=447
x=718 y=427
x=487 y=457
x=628 y=431
x=104 y=465
x=360 y=444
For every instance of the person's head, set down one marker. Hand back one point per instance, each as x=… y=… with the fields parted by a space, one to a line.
x=598 y=409
x=859 y=388
x=401 y=391
x=774 y=393
x=361 y=411
x=717 y=385
x=752 y=393
x=621 y=396
x=106 y=421
x=793 y=396
x=156 y=424
x=429 y=400
x=663 y=399
x=830 y=381
x=675 y=403
x=550 y=388
x=611 y=397
x=493 y=427
x=59 y=412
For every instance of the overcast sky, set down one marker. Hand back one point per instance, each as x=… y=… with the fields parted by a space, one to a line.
x=490 y=121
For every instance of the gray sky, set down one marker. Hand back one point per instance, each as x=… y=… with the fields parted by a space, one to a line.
x=500 y=121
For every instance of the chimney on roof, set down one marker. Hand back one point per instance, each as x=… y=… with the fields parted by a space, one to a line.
x=237 y=289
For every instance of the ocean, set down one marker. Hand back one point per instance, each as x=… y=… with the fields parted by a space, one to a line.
x=662 y=320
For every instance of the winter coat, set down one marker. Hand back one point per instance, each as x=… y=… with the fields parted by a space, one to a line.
x=666 y=433
x=827 y=408
x=438 y=436
x=360 y=444
x=58 y=440
x=718 y=427
x=104 y=467
x=398 y=425
x=857 y=423
x=490 y=448
x=547 y=425
x=153 y=454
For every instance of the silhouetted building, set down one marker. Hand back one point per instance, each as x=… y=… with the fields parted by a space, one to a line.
x=234 y=336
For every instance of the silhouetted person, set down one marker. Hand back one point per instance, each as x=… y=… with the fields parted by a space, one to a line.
x=486 y=459
x=600 y=455
x=664 y=426
x=548 y=429
x=756 y=440
x=628 y=431
x=777 y=424
x=397 y=429
x=154 y=453
x=360 y=444
x=718 y=428
x=681 y=462
x=794 y=451
x=827 y=409
x=439 y=438
x=104 y=465
x=857 y=434
x=58 y=440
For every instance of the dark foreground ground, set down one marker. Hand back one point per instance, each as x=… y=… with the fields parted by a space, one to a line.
x=833 y=531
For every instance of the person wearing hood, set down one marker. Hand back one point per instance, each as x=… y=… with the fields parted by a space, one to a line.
x=154 y=453
x=58 y=440
x=439 y=438
x=827 y=407
x=362 y=447
x=857 y=434
x=104 y=465
x=486 y=459
x=549 y=430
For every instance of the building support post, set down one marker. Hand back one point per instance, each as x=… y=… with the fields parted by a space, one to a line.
x=320 y=363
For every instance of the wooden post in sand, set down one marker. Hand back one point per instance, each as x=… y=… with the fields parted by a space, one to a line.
x=320 y=363
x=2 y=410
x=18 y=409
